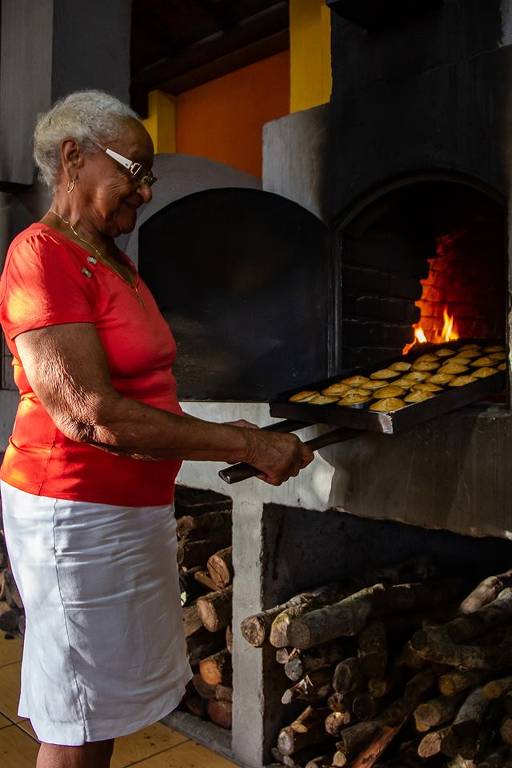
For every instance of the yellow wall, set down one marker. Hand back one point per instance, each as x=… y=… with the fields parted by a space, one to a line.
x=310 y=54
x=161 y=121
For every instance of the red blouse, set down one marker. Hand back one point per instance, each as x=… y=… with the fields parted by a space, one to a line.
x=49 y=280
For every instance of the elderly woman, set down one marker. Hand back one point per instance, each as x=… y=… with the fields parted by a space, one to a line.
x=88 y=476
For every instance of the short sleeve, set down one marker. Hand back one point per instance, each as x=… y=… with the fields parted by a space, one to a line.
x=43 y=284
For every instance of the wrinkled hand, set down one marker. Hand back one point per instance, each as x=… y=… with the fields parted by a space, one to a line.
x=278 y=456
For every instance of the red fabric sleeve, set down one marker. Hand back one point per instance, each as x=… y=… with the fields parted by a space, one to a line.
x=43 y=284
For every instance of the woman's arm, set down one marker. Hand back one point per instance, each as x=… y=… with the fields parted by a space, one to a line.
x=67 y=368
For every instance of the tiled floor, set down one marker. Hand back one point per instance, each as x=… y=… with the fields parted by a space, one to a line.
x=154 y=747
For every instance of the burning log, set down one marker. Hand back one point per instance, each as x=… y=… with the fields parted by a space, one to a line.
x=216 y=669
x=312 y=688
x=307 y=730
x=215 y=609
x=220 y=713
x=220 y=567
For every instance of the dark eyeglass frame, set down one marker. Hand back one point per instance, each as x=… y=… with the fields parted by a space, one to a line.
x=136 y=170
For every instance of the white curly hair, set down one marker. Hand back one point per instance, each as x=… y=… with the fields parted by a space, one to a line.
x=89 y=117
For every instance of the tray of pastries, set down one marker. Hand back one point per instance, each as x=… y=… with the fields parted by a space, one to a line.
x=390 y=397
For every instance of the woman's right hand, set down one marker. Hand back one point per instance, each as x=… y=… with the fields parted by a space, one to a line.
x=278 y=456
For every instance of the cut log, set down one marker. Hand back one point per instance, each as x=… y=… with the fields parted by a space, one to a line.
x=432 y=743
x=229 y=638
x=440 y=649
x=215 y=609
x=436 y=712
x=365 y=706
x=192 y=553
x=196 y=501
x=347 y=676
x=204 y=690
x=340 y=702
x=191 y=620
x=336 y=722
x=462 y=738
x=307 y=730
x=205 y=525
x=255 y=629
x=224 y=693
x=487 y=591
x=506 y=730
x=303 y=663
x=189 y=587
x=379 y=687
x=203 y=578
x=353 y=740
x=410 y=658
x=467 y=627
x=372 y=649
x=220 y=713
x=284 y=655
x=452 y=683
x=216 y=669
x=380 y=742
x=312 y=688
x=220 y=567
x=195 y=705
x=322 y=761
x=279 y=631
x=204 y=644
x=495 y=689
x=350 y=615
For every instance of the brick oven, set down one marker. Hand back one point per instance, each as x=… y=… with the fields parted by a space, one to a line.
x=395 y=225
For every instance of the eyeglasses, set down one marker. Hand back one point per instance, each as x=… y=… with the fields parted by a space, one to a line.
x=136 y=170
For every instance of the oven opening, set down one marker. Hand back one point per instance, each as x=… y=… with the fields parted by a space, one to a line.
x=423 y=260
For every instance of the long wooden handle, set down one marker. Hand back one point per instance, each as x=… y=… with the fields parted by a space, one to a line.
x=243 y=471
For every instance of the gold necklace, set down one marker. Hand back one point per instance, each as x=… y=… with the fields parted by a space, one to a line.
x=99 y=254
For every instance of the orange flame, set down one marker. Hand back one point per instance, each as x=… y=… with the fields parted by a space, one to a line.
x=447 y=333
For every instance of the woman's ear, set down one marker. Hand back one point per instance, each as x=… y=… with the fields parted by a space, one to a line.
x=72 y=157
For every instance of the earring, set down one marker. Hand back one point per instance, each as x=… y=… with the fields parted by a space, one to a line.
x=71 y=186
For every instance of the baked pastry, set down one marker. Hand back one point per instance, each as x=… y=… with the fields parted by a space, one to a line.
x=498 y=355
x=404 y=383
x=482 y=373
x=494 y=348
x=426 y=386
x=427 y=358
x=418 y=397
x=445 y=352
x=454 y=369
x=417 y=376
x=502 y=367
x=470 y=346
x=303 y=397
x=355 y=381
x=336 y=389
x=468 y=353
x=426 y=365
x=482 y=362
x=401 y=365
x=391 y=391
x=374 y=384
x=384 y=373
x=387 y=405
x=322 y=400
x=354 y=397
x=441 y=378
x=461 y=381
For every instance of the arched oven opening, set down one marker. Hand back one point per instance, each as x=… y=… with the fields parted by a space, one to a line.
x=423 y=259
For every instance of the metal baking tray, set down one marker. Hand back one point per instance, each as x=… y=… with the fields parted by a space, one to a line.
x=359 y=417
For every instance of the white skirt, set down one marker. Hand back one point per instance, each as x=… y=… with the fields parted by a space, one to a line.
x=104 y=652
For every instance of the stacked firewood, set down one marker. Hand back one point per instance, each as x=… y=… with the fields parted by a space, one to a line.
x=12 y=616
x=400 y=670
x=206 y=578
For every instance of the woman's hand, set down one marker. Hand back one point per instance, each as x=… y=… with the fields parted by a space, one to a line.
x=279 y=456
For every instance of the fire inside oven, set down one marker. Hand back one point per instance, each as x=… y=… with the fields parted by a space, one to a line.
x=422 y=262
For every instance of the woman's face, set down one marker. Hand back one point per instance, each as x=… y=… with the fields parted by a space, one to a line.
x=108 y=193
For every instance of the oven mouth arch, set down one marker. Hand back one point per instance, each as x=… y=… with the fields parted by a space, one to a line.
x=412 y=178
